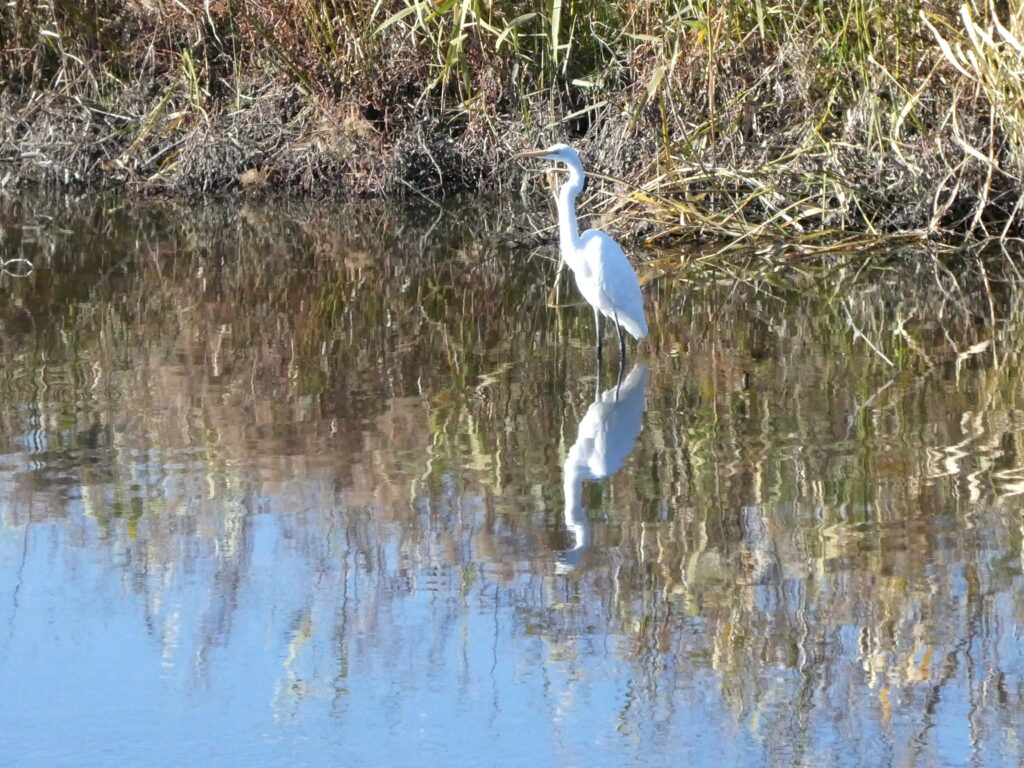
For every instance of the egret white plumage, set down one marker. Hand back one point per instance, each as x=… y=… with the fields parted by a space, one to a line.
x=603 y=273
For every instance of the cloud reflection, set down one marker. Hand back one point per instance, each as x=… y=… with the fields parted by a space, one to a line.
x=606 y=436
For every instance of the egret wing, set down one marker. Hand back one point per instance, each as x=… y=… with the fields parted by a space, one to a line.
x=618 y=288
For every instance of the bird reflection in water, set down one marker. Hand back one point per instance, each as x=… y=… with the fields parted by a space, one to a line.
x=607 y=434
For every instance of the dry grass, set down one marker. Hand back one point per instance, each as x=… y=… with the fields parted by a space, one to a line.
x=740 y=120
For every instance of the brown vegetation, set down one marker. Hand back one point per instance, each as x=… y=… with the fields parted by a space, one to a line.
x=738 y=118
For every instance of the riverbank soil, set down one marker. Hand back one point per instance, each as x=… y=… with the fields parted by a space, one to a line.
x=739 y=117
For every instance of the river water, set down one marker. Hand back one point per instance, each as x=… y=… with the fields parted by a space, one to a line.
x=303 y=485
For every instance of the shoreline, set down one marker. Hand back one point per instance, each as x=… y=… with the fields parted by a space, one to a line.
x=759 y=135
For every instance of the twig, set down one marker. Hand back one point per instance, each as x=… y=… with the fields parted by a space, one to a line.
x=857 y=332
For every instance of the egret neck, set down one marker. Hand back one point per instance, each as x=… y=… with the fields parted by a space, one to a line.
x=568 y=229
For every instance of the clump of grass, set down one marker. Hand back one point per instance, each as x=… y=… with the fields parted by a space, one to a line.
x=812 y=119
x=990 y=57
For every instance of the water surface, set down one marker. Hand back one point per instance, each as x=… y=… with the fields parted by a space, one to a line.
x=288 y=486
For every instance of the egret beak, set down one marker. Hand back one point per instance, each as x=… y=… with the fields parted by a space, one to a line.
x=533 y=153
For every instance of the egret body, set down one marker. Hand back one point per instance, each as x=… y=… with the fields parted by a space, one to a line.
x=603 y=273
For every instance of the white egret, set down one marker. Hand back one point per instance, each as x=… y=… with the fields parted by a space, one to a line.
x=603 y=273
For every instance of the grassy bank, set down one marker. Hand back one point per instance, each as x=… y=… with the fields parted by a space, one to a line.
x=739 y=117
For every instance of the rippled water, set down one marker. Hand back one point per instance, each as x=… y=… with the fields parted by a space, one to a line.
x=308 y=486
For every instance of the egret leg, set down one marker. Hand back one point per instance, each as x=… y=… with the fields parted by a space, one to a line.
x=597 y=330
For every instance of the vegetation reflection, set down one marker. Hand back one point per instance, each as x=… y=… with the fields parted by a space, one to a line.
x=822 y=508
